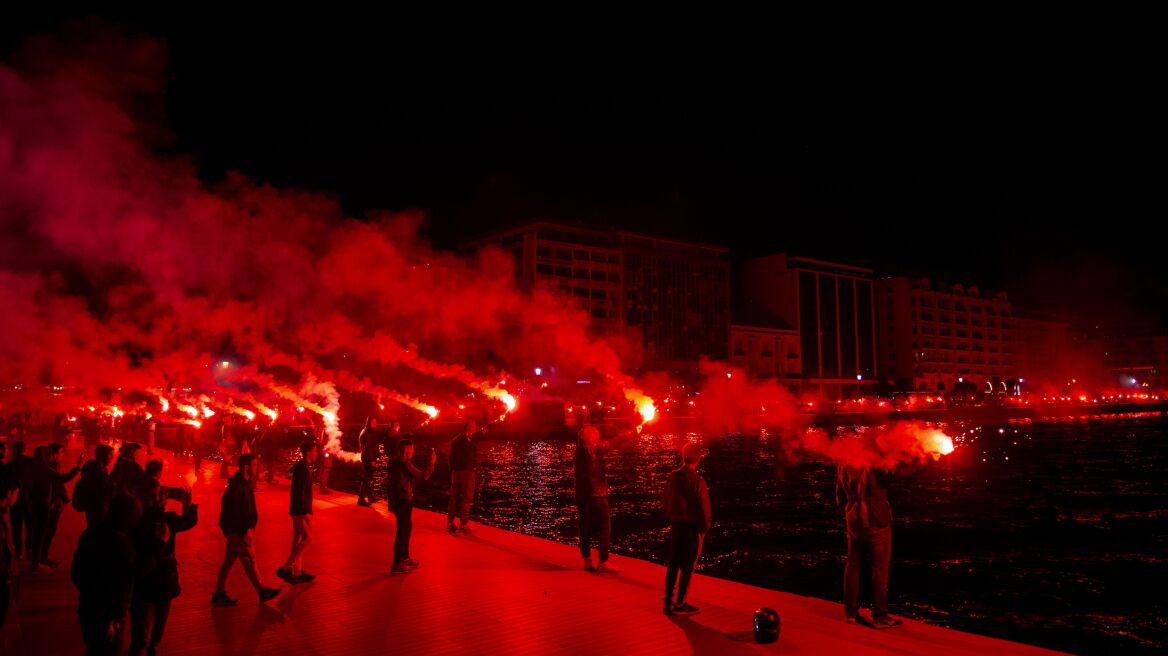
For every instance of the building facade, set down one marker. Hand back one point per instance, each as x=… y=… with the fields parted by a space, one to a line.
x=932 y=339
x=765 y=352
x=831 y=306
x=675 y=294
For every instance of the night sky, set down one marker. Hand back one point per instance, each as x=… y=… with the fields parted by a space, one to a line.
x=1031 y=168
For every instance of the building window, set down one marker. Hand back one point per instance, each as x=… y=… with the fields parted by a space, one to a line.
x=599 y=313
x=598 y=275
x=580 y=292
x=564 y=271
x=545 y=269
x=613 y=276
x=599 y=294
x=581 y=274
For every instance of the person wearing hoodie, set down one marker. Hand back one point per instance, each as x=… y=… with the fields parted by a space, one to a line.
x=237 y=520
x=93 y=492
x=687 y=502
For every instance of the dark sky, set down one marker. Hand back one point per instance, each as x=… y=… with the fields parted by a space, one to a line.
x=1012 y=162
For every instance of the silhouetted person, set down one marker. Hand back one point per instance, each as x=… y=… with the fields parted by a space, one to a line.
x=103 y=572
x=58 y=498
x=403 y=475
x=237 y=520
x=44 y=487
x=369 y=442
x=300 y=508
x=8 y=571
x=158 y=582
x=687 y=502
x=862 y=494
x=128 y=474
x=463 y=457
x=595 y=516
x=16 y=470
x=93 y=492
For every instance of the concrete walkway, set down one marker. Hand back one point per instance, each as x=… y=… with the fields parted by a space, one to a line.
x=487 y=592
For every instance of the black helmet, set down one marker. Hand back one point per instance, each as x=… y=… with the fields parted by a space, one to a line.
x=766 y=625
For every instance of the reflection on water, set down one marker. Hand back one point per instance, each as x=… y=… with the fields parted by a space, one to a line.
x=1049 y=533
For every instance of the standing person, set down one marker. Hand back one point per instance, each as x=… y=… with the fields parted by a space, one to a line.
x=403 y=475
x=862 y=494
x=237 y=520
x=93 y=492
x=300 y=508
x=8 y=492
x=369 y=441
x=595 y=516
x=16 y=470
x=687 y=502
x=103 y=571
x=45 y=487
x=151 y=425
x=463 y=457
x=128 y=474
x=157 y=583
x=58 y=498
x=389 y=440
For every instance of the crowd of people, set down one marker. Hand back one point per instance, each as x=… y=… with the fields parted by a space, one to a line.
x=125 y=569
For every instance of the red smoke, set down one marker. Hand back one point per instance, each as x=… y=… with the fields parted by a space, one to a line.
x=121 y=269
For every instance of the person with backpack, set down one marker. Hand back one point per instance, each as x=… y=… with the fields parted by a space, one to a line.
x=93 y=492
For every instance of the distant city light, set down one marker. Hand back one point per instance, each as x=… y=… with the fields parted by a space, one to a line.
x=538 y=371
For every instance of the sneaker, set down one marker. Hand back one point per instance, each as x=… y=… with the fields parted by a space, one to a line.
x=286 y=574
x=605 y=568
x=683 y=608
x=588 y=566
x=851 y=619
x=363 y=502
x=40 y=567
x=465 y=528
x=220 y=599
x=305 y=577
x=411 y=563
x=400 y=568
x=450 y=526
x=51 y=563
x=267 y=593
x=668 y=606
x=886 y=622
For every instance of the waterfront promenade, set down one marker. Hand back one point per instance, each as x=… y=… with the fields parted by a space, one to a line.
x=488 y=592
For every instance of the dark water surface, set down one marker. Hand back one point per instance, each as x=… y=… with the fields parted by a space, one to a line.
x=1049 y=533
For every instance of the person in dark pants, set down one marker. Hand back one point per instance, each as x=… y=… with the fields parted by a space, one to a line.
x=237 y=520
x=300 y=508
x=8 y=571
x=403 y=475
x=45 y=487
x=157 y=581
x=268 y=449
x=93 y=492
x=103 y=571
x=595 y=517
x=58 y=499
x=687 y=502
x=369 y=442
x=862 y=494
x=463 y=457
x=16 y=470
